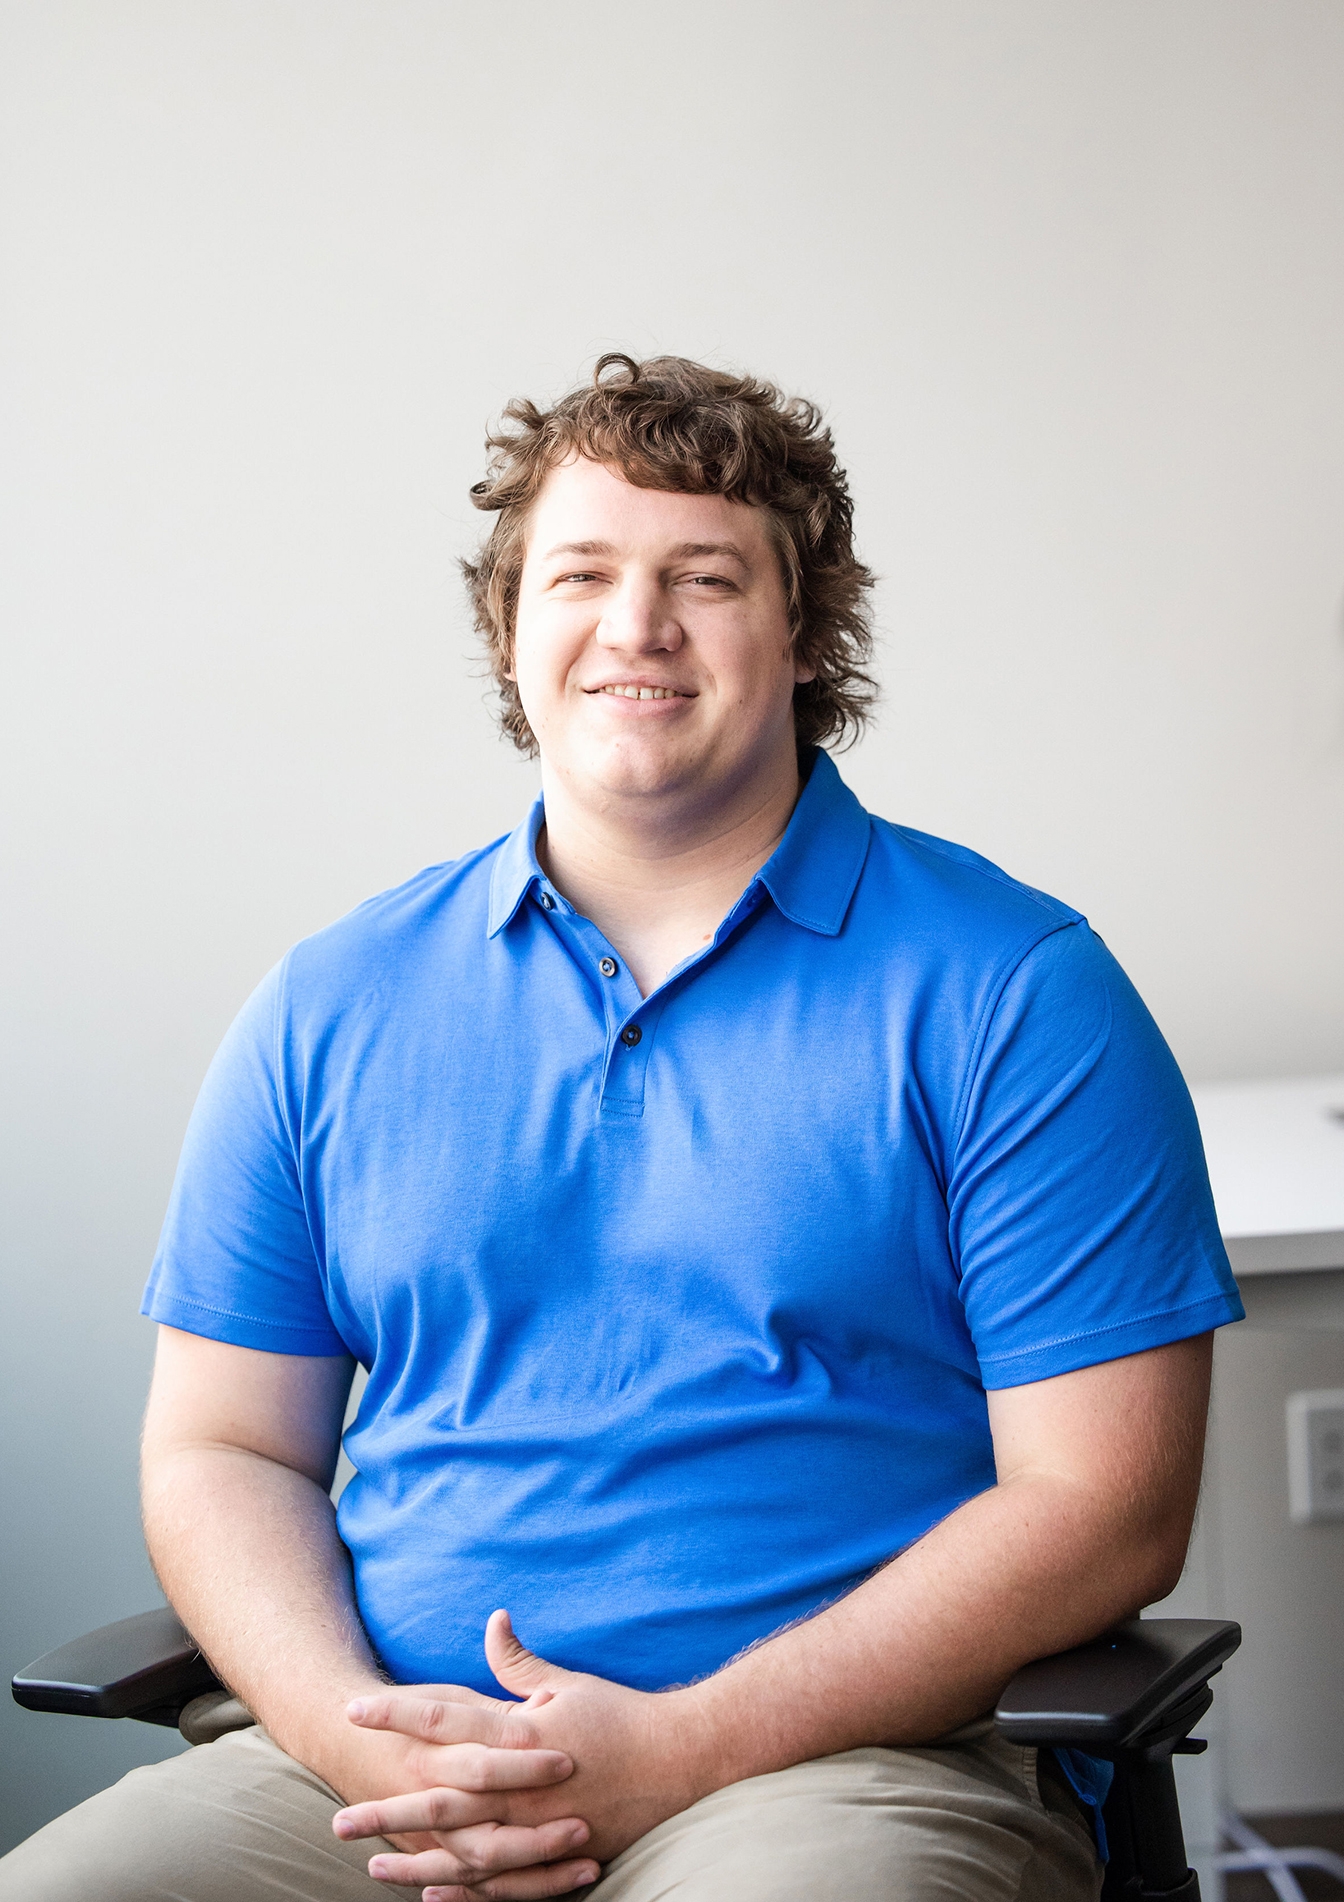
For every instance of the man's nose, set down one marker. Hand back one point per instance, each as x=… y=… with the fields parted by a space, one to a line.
x=640 y=620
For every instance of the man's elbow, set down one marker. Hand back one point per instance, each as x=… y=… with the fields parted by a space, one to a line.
x=1166 y=1573
x=1157 y=1559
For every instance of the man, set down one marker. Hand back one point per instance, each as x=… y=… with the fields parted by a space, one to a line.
x=778 y=1241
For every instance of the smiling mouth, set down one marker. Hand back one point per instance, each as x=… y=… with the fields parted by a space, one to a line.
x=646 y=693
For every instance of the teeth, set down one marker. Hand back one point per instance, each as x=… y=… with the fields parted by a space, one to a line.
x=643 y=693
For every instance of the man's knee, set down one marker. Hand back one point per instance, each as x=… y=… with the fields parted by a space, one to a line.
x=226 y=1822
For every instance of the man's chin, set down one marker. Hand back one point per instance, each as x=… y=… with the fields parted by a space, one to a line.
x=647 y=770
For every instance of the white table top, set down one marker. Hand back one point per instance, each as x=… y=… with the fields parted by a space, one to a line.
x=1276 y=1161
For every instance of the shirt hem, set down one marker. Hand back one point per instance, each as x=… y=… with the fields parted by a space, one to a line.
x=1115 y=1342
x=242 y=1330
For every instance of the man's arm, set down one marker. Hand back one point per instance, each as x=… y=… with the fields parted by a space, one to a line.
x=239 y=1452
x=1098 y=1477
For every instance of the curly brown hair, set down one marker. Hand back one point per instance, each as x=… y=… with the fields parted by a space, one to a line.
x=673 y=424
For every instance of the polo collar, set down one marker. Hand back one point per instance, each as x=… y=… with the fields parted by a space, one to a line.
x=516 y=869
x=811 y=874
x=813 y=870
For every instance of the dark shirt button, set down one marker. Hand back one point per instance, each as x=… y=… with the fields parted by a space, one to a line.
x=631 y=1035
x=608 y=967
x=547 y=902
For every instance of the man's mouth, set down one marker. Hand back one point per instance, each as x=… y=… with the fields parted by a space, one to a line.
x=647 y=693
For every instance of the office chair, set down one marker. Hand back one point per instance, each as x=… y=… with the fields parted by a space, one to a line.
x=1132 y=1696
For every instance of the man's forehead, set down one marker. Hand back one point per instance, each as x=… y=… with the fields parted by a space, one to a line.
x=589 y=508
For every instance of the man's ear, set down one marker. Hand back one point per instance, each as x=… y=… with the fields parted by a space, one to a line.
x=802 y=673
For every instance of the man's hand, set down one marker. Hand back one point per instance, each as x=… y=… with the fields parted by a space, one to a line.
x=491 y=1821
x=466 y=1761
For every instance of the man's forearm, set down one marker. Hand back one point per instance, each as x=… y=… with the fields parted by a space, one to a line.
x=247 y=1551
x=923 y=1646
x=1089 y=1523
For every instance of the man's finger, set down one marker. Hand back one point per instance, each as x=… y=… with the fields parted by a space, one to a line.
x=473 y=1857
x=436 y=1720
x=517 y=1668
x=463 y=1694
x=420 y=1810
x=437 y=1809
x=476 y=1767
x=557 y=1878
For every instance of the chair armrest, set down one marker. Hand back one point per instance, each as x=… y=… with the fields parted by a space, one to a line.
x=1122 y=1690
x=145 y=1667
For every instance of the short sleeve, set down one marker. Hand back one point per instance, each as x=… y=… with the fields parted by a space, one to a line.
x=236 y=1260
x=1080 y=1214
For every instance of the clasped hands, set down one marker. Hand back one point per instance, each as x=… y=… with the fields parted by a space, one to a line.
x=523 y=1799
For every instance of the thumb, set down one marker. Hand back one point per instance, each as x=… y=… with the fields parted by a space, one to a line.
x=518 y=1669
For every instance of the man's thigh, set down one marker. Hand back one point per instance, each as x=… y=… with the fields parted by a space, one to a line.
x=227 y=1822
x=966 y=1822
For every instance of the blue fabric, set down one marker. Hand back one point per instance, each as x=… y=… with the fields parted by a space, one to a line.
x=1090 y=1779
x=672 y=1341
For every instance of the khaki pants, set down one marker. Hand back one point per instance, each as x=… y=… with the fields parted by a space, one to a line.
x=238 y=1821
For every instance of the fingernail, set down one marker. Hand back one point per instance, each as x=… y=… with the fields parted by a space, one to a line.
x=377 y=1867
x=341 y=1823
x=356 y=1710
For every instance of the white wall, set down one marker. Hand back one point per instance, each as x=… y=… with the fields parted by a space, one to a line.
x=1068 y=279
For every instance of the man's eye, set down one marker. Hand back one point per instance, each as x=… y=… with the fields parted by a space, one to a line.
x=578 y=577
x=710 y=581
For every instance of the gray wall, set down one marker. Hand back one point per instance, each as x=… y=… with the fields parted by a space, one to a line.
x=1068 y=279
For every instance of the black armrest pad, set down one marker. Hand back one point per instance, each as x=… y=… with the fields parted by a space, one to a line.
x=141 y=1664
x=1107 y=1694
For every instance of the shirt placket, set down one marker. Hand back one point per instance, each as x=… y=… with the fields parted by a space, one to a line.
x=631 y=1020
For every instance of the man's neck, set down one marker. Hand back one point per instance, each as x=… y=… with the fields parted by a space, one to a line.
x=658 y=884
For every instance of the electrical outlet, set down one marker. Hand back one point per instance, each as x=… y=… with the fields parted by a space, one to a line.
x=1316 y=1455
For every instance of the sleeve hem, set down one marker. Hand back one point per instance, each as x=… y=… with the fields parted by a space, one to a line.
x=242 y=1330
x=1159 y=1329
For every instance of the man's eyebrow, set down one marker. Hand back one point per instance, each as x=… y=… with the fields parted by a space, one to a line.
x=692 y=550
x=685 y=551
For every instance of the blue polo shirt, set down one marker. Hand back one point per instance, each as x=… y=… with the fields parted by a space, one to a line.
x=679 y=1312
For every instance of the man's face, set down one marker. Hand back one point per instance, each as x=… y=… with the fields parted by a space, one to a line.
x=652 y=642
